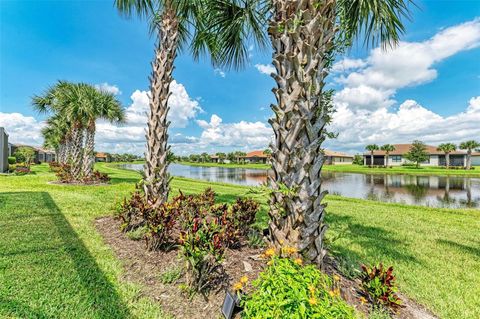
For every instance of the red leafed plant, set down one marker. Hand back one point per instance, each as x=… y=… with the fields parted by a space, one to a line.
x=97 y=177
x=133 y=211
x=379 y=286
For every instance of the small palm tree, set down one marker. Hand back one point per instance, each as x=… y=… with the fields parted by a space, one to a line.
x=447 y=148
x=205 y=157
x=99 y=105
x=387 y=148
x=304 y=34
x=55 y=135
x=371 y=148
x=469 y=146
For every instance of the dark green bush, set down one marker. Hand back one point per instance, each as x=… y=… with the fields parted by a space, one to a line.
x=12 y=160
x=286 y=289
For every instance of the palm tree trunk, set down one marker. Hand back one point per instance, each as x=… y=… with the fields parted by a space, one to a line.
x=469 y=158
x=88 y=156
x=156 y=177
x=371 y=158
x=447 y=160
x=302 y=52
x=76 y=151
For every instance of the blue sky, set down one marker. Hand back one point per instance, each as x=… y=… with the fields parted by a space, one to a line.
x=43 y=41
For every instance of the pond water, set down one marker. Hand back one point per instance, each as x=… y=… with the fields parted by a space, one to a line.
x=434 y=191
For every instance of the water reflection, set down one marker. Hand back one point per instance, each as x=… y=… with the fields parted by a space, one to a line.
x=435 y=191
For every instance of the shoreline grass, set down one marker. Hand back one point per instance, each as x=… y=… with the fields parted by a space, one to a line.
x=400 y=170
x=54 y=263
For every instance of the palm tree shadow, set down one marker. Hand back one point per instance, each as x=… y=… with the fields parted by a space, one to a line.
x=375 y=241
x=48 y=236
x=474 y=251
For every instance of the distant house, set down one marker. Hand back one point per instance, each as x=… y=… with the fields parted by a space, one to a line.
x=102 y=157
x=256 y=157
x=4 y=150
x=436 y=158
x=337 y=158
x=41 y=155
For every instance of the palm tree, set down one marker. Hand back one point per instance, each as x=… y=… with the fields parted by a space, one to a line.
x=172 y=21
x=221 y=157
x=239 y=155
x=387 y=148
x=469 y=146
x=304 y=37
x=372 y=148
x=447 y=148
x=56 y=100
x=99 y=105
x=205 y=157
x=55 y=135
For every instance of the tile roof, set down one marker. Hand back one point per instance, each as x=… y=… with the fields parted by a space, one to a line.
x=335 y=153
x=257 y=154
x=101 y=155
x=401 y=149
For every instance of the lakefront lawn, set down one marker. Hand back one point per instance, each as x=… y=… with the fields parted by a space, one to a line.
x=405 y=170
x=53 y=262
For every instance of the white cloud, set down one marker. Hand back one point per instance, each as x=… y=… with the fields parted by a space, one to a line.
x=364 y=103
x=182 y=107
x=234 y=135
x=382 y=73
x=127 y=137
x=108 y=88
x=412 y=121
x=22 y=129
x=265 y=69
x=219 y=72
x=348 y=64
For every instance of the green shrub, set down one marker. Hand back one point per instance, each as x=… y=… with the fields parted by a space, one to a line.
x=379 y=313
x=137 y=234
x=22 y=170
x=379 y=286
x=285 y=289
x=12 y=160
x=12 y=168
x=171 y=275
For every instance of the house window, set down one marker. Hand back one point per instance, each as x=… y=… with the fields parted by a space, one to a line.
x=396 y=158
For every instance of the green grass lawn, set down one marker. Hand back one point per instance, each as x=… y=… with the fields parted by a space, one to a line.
x=410 y=170
x=54 y=264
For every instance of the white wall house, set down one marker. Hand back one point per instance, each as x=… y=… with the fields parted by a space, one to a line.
x=436 y=158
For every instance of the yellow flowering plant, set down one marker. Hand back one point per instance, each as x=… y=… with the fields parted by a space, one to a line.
x=286 y=288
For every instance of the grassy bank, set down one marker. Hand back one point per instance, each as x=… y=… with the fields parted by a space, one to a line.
x=53 y=262
x=405 y=170
x=230 y=165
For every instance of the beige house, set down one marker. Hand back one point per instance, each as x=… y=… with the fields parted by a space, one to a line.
x=337 y=158
x=436 y=158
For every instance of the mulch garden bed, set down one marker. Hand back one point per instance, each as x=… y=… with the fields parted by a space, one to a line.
x=146 y=267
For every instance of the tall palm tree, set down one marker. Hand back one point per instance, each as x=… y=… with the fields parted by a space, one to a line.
x=304 y=37
x=447 y=148
x=174 y=22
x=469 y=146
x=99 y=105
x=372 y=148
x=387 y=148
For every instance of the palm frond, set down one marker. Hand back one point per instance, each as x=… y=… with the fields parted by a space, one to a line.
x=378 y=21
